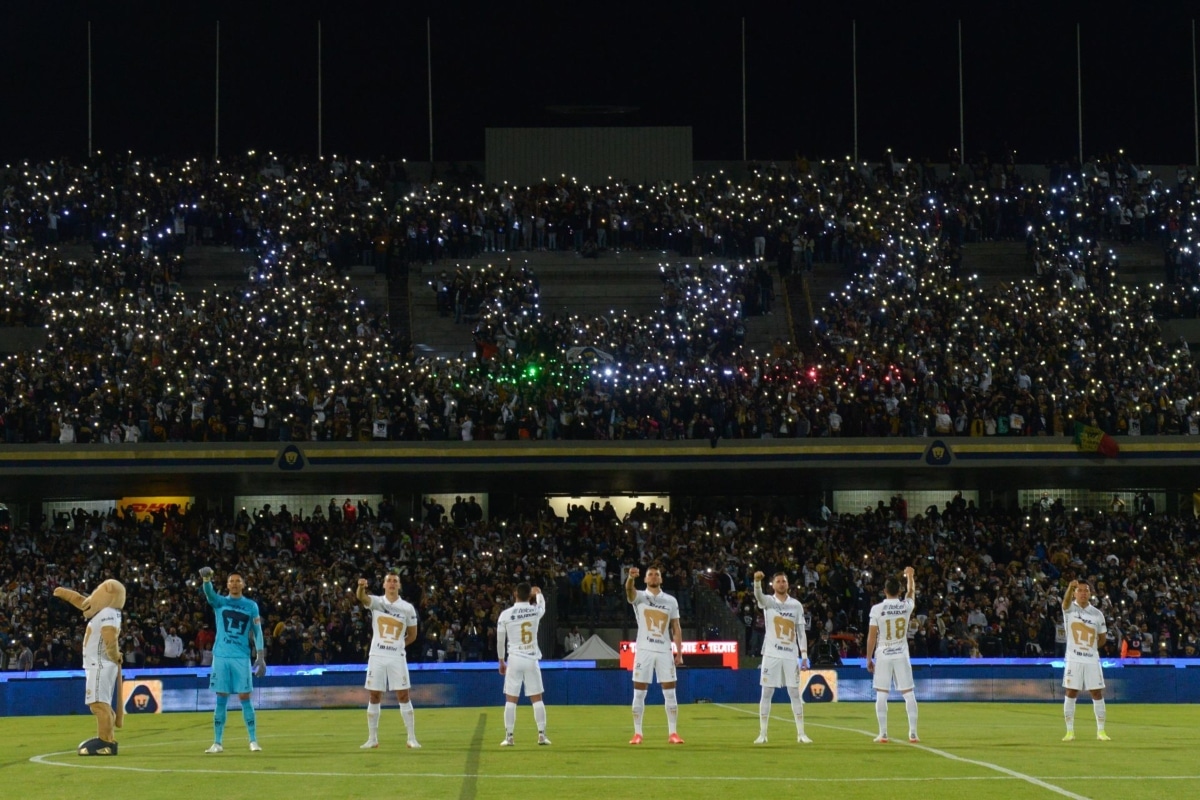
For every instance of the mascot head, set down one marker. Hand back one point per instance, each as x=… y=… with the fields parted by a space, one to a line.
x=110 y=594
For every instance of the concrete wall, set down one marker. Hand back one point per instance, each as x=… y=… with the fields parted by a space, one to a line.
x=580 y=683
x=592 y=155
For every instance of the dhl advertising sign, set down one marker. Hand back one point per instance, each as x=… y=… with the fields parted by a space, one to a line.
x=143 y=507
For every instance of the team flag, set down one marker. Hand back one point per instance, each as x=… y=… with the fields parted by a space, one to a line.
x=1093 y=440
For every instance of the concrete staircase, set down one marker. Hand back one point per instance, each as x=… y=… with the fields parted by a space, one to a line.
x=613 y=284
x=1139 y=263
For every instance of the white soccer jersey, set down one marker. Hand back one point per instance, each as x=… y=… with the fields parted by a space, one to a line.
x=1083 y=626
x=785 y=625
x=654 y=614
x=517 y=627
x=892 y=618
x=94 y=651
x=389 y=626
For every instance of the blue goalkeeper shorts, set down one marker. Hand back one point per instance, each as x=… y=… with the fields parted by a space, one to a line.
x=230 y=676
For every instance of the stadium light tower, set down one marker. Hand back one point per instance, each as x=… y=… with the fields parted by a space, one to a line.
x=217 y=95
x=1079 y=82
x=89 y=82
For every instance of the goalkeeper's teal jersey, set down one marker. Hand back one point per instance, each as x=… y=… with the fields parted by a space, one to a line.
x=235 y=623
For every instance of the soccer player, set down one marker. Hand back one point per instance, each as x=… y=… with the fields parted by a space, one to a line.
x=393 y=627
x=784 y=652
x=1086 y=634
x=658 y=626
x=516 y=637
x=238 y=621
x=890 y=665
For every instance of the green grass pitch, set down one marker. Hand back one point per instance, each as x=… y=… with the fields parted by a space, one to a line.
x=968 y=750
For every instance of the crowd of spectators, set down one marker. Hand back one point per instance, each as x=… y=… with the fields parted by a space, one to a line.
x=912 y=347
x=989 y=582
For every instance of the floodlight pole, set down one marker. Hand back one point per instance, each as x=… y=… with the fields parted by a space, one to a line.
x=744 y=150
x=320 y=97
x=854 y=79
x=1079 y=81
x=89 y=88
x=962 y=139
x=217 y=94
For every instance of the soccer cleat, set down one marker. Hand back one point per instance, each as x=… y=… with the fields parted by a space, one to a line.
x=255 y=747
x=1070 y=737
x=880 y=739
x=97 y=747
x=761 y=740
x=370 y=744
x=674 y=738
x=508 y=742
x=1102 y=736
x=413 y=744
x=542 y=740
x=802 y=739
x=637 y=739
x=215 y=748
x=914 y=739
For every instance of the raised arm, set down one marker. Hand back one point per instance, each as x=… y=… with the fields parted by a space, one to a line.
x=911 y=591
x=74 y=598
x=760 y=599
x=210 y=594
x=1069 y=597
x=630 y=589
x=360 y=593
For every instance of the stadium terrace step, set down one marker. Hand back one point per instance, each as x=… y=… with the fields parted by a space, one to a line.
x=614 y=284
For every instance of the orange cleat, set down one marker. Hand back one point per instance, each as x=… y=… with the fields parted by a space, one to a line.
x=637 y=739
x=674 y=738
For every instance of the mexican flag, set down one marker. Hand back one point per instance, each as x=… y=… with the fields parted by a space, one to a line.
x=1093 y=440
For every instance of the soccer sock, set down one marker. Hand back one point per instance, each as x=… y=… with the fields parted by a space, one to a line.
x=1101 y=713
x=373 y=712
x=219 y=718
x=764 y=709
x=248 y=718
x=639 y=708
x=881 y=711
x=539 y=716
x=410 y=720
x=797 y=708
x=910 y=705
x=510 y=718
x=672 y=707
x=1069 y=713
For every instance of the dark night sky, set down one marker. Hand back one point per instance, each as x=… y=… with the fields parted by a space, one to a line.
x=153 y=83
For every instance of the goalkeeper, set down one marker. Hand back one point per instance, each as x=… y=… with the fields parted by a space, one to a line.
x=237 y=621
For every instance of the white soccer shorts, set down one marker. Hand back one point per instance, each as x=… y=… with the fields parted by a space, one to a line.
x=523 y=672
x=893 y=670
x=649 y=665
x=100 y=681
x=779 y=672
x=1085 y=675
x=387 y=674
